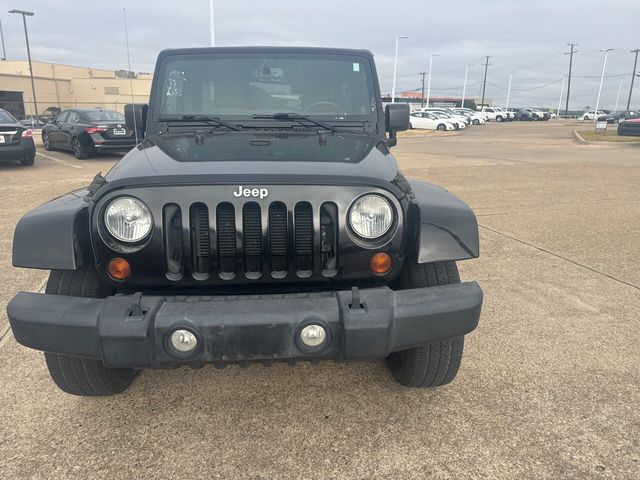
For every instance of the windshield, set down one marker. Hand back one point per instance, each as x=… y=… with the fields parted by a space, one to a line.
x=5 y=117
x=104 y=116
x=236 y=84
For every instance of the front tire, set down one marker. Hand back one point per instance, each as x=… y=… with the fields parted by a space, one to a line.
x=46 y=142
x=476 y=122
x=498 y=118
x=437 y=363
x=83 y=376
x=442 y=127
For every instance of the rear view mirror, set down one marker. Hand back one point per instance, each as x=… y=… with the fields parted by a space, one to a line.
x=396 y=120
x=135 y=117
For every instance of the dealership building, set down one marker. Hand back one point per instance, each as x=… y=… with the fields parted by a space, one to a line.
x=64 y=86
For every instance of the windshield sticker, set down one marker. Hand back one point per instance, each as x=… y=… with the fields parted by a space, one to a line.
x=356 y=67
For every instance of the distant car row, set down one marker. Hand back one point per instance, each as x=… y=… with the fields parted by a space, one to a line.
x=445 y=119
x=84 y=132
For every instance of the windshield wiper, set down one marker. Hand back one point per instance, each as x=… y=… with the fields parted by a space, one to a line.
x=201 y=118
x=296 y=117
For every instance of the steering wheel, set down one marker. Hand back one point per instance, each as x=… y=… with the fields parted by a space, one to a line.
x=330 y=104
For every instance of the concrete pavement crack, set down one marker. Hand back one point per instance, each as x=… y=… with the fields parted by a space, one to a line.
x=548 y=252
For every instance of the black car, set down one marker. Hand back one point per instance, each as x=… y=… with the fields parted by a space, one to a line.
x=88 y=131
x=629 y=127
x=262 y=219
x=525 y=114
x=619 y=116
x=16 y=140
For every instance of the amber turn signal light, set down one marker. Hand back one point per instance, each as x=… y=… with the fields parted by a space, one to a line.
x=119 y=269
x=380 y=263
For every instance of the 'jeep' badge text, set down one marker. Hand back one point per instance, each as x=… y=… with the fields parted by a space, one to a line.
x=251 y=192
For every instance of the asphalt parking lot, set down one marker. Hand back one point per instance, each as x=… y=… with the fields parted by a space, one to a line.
x=549 y=386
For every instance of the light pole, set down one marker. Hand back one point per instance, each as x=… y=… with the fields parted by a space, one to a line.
x=604 y=65
x=4 y=52
x=212 y=31
x=429 y=81
x=464 y=86
x=509 y=90
x=560 y=99
x=26 y=14
x=395 y=68
x=618 y=97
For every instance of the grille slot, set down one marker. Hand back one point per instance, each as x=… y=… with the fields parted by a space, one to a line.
x=226 y=226
x=278 y=236
x=303 y=217
x=252 y=234
x=200 y=245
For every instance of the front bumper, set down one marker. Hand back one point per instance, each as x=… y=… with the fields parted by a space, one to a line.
x=133 y=330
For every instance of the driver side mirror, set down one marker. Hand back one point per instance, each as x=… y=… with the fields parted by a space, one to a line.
x=396 y=117
x=135 y=117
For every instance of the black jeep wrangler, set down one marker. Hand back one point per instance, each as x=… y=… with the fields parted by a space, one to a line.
x=261 y=218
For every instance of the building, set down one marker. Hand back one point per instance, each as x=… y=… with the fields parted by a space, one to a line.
x=415 y=100
x=64 y=86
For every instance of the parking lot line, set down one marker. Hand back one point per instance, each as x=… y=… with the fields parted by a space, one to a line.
x=58 y=160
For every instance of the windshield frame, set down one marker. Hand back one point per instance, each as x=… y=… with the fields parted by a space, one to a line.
x=363 y=57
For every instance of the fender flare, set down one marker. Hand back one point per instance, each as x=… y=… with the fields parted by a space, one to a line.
x=444 y=227
x=54 y=235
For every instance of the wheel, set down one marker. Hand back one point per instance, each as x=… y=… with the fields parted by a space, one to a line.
x=476 y=122
x=46 y=142
x=81 y=152
x=410 y=126
x=441 y=127
x=435 y=364
x=27 y=162
x=83 y=376
x=498 y=118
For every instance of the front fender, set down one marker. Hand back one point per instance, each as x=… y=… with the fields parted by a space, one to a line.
x=54 y=235
x=444 y=227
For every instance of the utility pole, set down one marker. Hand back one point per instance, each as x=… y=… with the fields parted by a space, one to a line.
x=572 y=45
x=26 y=14
x=484 y=82
x=633 y=76
x=560 y=99
x=422 y=74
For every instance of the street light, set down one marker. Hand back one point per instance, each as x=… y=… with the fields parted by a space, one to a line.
x=604 y=65
x=429 y=82
x=26 y=14
x=464 y=85
x=395 y=68
x=509 y=91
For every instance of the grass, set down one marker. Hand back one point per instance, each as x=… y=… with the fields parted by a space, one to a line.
x=610 y=136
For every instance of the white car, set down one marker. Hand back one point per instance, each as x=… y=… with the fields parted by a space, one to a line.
x=476 y=118
x=496 y=114
x=460 y=120
x=429 y=121
x=592 y=115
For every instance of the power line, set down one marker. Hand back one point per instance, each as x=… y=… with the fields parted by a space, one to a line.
x=571 y=53
x=484 y=84
x=526 y=89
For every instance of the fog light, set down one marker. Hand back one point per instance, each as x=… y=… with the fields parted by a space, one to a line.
x=183 y=341
x=119 y=269
x=380 y=263
x=313 y=335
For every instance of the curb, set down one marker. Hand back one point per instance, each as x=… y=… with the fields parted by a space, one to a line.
x=579 y=139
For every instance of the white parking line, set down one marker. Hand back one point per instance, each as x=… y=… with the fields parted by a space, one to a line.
x=58 y=160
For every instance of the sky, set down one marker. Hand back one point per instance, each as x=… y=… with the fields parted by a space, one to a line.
x=525 y=38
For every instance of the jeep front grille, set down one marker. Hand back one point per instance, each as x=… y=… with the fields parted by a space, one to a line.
x=250 y=239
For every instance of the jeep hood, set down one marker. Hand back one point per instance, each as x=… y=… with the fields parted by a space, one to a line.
x=250 y=157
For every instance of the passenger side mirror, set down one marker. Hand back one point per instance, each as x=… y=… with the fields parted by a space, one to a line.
x=135 y=117
x=396 y=120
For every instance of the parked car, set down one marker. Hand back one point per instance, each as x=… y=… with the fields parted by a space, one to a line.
x=49 y=114
x=88 y=131
x=458 y=120
x=476 y=117
x=592 y=115
x=510 y=115
x=515 y=112
x=629 y=127
x=16 y=141
x=538 y=114
x=618 y=116
x=429 y=121
x=495 y=114
x=296 y=239
x=32 y=123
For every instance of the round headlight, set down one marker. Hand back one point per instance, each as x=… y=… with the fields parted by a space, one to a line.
x=128 y=219
x=371 y=216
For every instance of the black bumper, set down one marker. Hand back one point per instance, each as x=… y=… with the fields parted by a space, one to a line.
x=242 y=329
x=10 y=153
